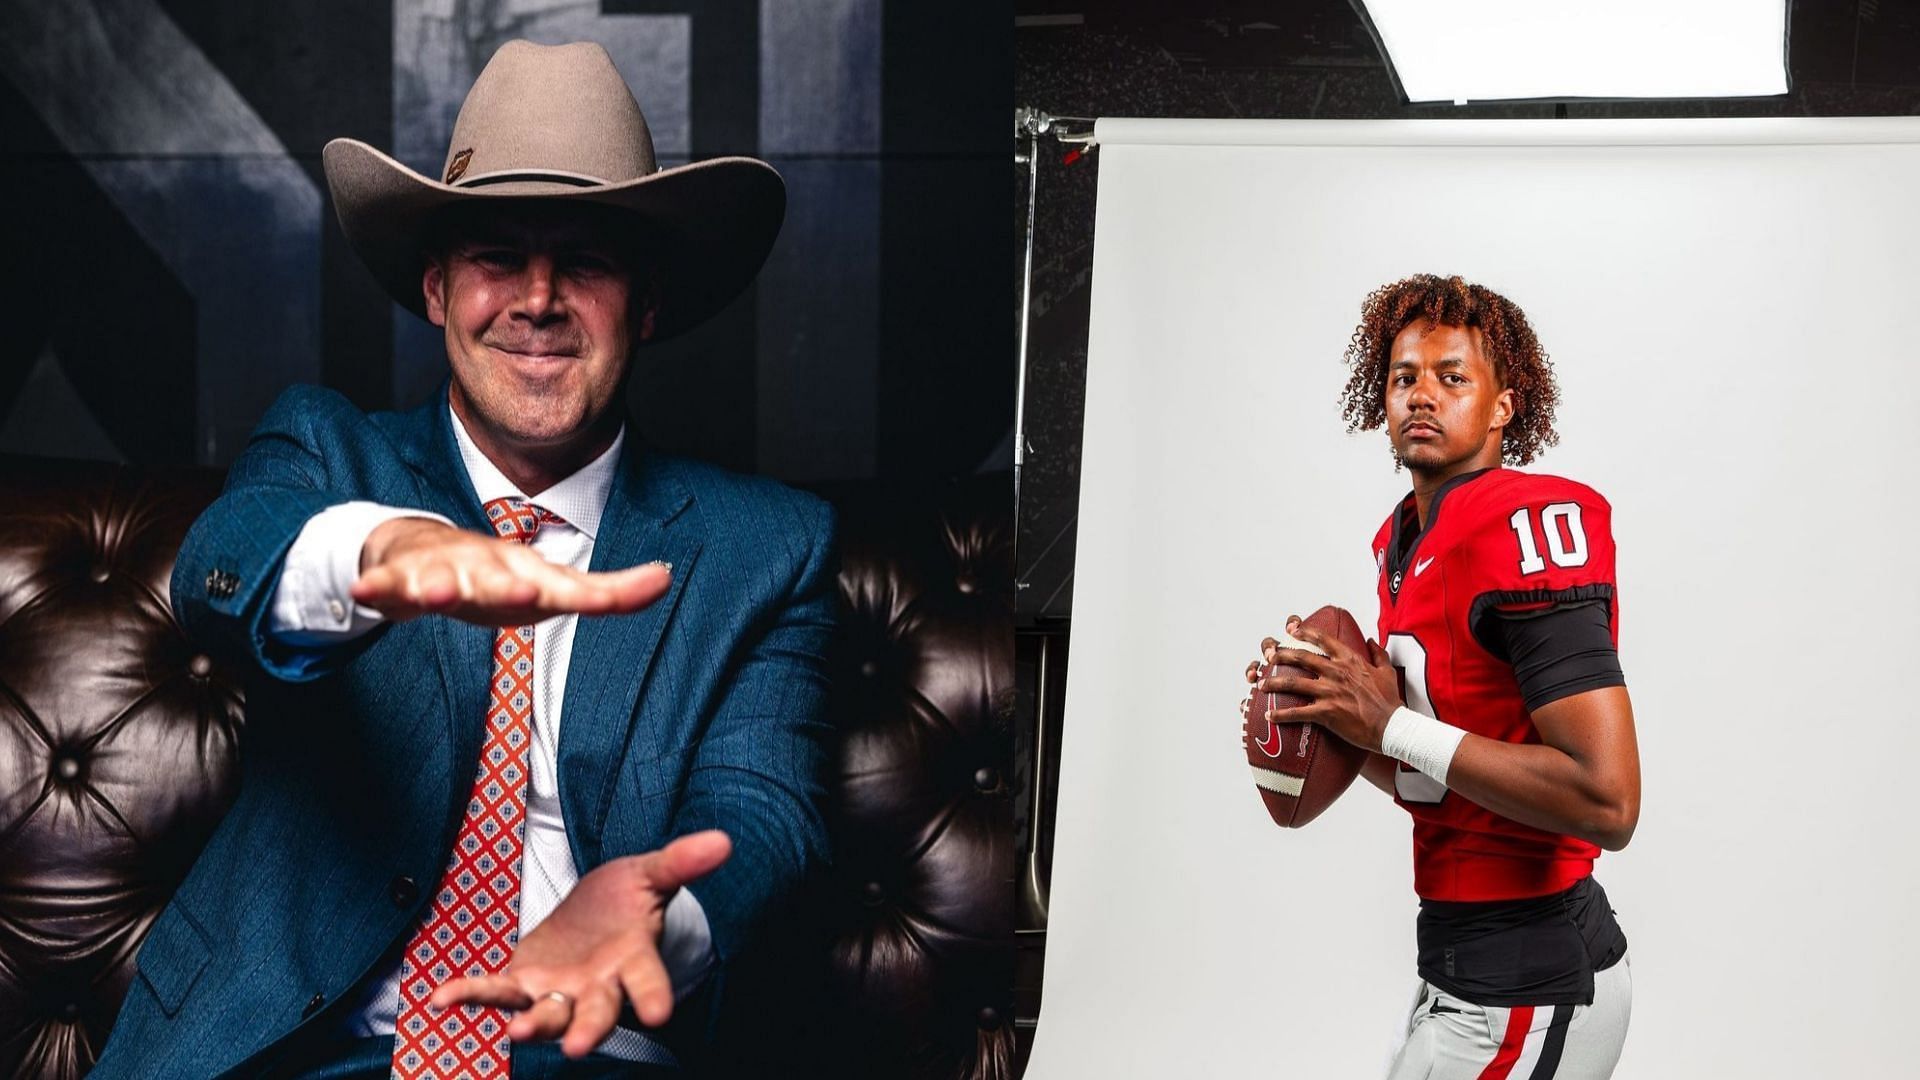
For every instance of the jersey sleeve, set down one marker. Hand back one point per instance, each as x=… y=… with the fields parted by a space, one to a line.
x=1538 y=544
x=1555 y=653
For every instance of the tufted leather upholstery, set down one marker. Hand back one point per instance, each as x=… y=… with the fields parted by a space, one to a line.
x=119 y=744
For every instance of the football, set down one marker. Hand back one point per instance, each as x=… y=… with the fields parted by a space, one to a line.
x=1299 y=768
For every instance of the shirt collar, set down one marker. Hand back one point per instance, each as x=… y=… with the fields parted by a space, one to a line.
x=580 y=499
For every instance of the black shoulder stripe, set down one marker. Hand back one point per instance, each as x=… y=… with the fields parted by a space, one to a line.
x=1485 y=604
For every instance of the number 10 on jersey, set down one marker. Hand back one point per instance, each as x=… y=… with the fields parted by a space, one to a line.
x=1568 y=549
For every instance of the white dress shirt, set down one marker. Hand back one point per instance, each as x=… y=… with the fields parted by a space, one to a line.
x=312 y=607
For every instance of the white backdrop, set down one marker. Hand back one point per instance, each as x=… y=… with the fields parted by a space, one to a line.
x=1733 y=309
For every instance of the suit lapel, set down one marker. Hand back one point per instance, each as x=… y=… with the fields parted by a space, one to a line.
x=613 y=654
x=464 y=651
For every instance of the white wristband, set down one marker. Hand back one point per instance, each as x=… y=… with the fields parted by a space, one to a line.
x=1421 y=741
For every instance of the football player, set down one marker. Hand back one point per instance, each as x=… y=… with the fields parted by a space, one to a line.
x=1493 y=700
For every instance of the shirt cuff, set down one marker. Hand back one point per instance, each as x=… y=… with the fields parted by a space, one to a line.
x=686 y=944
x=312 y=603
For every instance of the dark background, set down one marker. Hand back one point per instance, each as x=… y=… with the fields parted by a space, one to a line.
x=173 y=261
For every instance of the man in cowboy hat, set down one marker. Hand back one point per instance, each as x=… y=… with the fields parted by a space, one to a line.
x=472 y=820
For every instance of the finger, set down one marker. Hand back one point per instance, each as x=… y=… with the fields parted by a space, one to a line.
x=498 y=596
x=435 y=586
x=546 y=1019
x=501 y=589
x=564 y=589
x=638 y=586
x=1312 y=713
x=1253 y=671
x=1301 y=658
x=373 y=585
x=648 y=989
x=503 y=991
x=593 y=1018
x=1293 y=626
x=1377 y=654
x=1296 y=685
x=1267 y=645
x=380 y=589
x=687 y=859
x=1327 y=642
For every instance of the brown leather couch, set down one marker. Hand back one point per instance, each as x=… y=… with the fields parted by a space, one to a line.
x=119 y=746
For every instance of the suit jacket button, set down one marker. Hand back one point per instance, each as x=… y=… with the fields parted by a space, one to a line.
x=313 y=1006
x=403 y=892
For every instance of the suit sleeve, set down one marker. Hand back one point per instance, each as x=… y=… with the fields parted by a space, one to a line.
x=229 y=564
x=759 y=773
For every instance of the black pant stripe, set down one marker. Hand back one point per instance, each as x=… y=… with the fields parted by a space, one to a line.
x=1556 y=1041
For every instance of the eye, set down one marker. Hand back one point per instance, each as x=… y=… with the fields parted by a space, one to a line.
x=496 y=258
x=1455 y=377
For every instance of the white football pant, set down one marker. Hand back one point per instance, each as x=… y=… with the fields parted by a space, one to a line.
x=1450 y=1039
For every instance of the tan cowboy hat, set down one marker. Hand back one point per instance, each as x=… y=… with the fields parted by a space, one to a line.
x=558 y=123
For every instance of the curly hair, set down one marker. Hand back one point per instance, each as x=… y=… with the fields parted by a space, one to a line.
x=1518 y=361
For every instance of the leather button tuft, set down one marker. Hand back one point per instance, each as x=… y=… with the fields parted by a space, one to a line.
x=403 y=892
x=70 y=1011
x=964 y=584
x=869 y=668
x=66 y=766
x=101 y=574
x=985 y=778
x=872 y=893
x=201 y=666
x=313 y=1006
x=989 y=1018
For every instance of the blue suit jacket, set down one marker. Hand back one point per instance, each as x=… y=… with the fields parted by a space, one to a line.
x=705 y=710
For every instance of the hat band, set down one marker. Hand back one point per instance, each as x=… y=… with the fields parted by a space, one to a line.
x=511 y=175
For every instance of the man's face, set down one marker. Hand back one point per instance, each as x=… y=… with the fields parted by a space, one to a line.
x=1444 y=404
x=540 y=317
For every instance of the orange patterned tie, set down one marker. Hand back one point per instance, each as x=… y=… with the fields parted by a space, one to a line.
x=475 y=918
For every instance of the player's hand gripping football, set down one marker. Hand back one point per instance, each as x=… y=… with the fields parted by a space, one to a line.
x=1349 y=694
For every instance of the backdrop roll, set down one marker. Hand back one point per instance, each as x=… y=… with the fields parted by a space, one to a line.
x=1728 y=304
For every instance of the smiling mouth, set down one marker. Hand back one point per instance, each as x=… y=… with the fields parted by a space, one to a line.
x=533 y=354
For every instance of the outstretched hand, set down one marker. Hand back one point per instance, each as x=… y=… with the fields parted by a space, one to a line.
x=1351 y=694
x=598 y=949
x=416 y=566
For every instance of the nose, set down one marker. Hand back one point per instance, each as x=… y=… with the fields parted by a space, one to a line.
x=1420 y=394
x=539 y=300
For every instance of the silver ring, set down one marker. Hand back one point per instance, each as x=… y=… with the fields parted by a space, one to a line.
x=556 y=995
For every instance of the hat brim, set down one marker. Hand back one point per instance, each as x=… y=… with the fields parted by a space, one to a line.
x=709 y=224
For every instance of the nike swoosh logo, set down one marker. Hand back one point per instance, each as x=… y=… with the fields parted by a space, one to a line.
x=1422 y=564
x=1270 y=745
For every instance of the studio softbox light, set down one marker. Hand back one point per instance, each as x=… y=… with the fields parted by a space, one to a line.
x=1485 y=50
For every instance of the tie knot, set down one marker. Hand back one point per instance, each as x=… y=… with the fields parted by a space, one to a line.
x=518 y=519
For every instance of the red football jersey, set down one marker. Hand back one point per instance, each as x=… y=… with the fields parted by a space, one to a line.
x=1495 y=538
